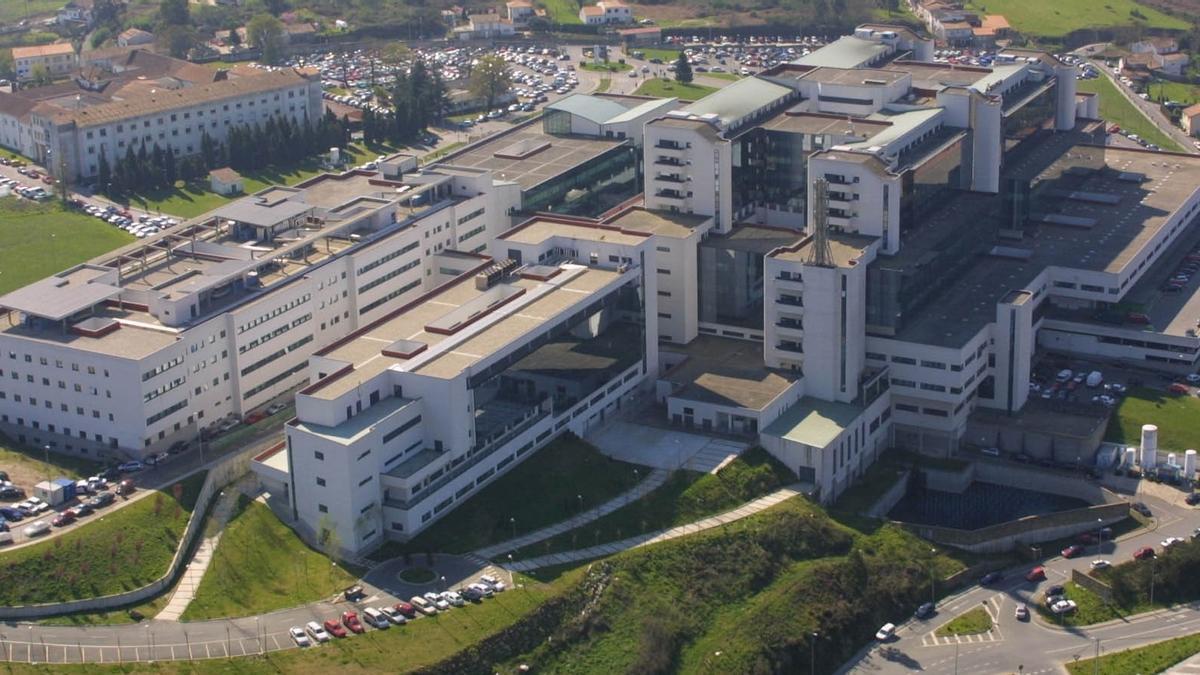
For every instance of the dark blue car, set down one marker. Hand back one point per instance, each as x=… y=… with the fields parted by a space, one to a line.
x=12 y=514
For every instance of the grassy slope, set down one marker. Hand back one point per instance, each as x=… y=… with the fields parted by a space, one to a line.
x=16 y=457
x=561 y=11
x=12 y=11
x=541 y=491
x=663 y=88
x=1175 y=416
x=37 y=240
x=1115 y=108
x=1055 y=19
x=1155 y=658
x=119 y=551
x=687 y=496
x=753 y=591
x=260 y=565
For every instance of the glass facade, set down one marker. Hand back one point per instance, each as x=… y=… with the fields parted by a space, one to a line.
x=928 y=184
x=591 y=189
x=1022 y=123
x=771 y=169
x=731 y=287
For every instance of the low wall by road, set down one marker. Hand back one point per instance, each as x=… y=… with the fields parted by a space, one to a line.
x=1049 y=481
x=1029 y=530
x=219 y=475
x=1092 y=584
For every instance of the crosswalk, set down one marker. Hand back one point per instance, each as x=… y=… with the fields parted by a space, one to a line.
x=992 y=605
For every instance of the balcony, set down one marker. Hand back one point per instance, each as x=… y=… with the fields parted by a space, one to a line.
x=672 y=195
x=790 y=324
x=793 y=347
x=839 y=221
x=834 y=179
x=791 y=282
x=790 y=300
x=670 y=178
x=663 y=160
x=664 y=144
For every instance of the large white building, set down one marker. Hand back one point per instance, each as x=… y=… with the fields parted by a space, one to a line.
x=138 y=98
x=146 y=346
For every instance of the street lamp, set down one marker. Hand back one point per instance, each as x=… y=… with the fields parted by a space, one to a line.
x=513 y=522
x=932 y=580
x=1100 y=536
x=812 y=668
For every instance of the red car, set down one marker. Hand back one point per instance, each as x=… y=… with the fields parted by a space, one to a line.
x=1178 y=388
x=335 y=629
x=1086 y=538
x=406 y=609
x=63 y=519
x=1072 y=551
x=350 y=620
x=1143 y=553
x=48 y=180
x=1036 y=574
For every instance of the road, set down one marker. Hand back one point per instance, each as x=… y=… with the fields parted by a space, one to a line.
x=1151 y=110
x=1035 y=646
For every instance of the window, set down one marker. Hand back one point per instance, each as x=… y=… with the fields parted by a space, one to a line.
x=319 y=455
x=322 y=508
x=320 y=481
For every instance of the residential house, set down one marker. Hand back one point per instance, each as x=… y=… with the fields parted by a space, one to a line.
x=1190 y=120
x=134 y=37
x=606 y=12
x=519 y=11
x=59 y=59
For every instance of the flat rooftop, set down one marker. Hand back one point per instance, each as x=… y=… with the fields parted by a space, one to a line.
x=868 y=77
x=847 y=51
x=492 y=319
x=135 y=337
x=675 y=225
x=349 y=431
x=754 y=239
x=938 y=76
x=529 y=157
x=813 y=422
x=847 y=249
x=824 y=124
x=538 y=230
x=726 y=372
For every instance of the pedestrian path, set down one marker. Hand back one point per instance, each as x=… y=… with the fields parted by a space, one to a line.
x=748 y=509
x=1188 y=667
x=185 y=590
x=656 y=478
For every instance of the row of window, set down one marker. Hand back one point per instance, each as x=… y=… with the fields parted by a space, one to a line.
x=274 y=313
x=91 y=370
x=394 y=294
x=390 y=256
x=49 y=405
x=263 y=339
x=390 y=275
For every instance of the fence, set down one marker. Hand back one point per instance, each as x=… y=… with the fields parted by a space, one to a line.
x=218 y=477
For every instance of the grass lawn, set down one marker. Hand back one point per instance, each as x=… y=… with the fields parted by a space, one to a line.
x=720 y=76
x=1116 y=109
x=118 y=551
x=147 y=610
x=667 y=55
x=610 y=67
x=1055 y=19
x=664 y=88
x=869 y=487
x=259 y=566
x=542 y=490
x=973 y=622
x=603 y=86
x=192 y=199
x=1155 y=658
x=687 y=496
x=561 y=11
x=1184 y=93
x=27 y=466
x=1175 y=417
x=443 y=151
x=37 y=240
x=13 y=11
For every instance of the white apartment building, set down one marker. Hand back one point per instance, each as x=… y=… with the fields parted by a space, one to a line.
x=146 y=346
x=148 y=99
x=58 y=59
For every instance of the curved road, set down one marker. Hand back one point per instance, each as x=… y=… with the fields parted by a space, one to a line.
x=1036 y=646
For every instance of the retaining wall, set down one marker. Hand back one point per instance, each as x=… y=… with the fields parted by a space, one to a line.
x=1029 y=530
x=219 y=475
x=1092 y=584
x=890 y=498
x=944 y=480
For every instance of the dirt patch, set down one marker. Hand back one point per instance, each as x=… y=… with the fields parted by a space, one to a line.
x=26 y=469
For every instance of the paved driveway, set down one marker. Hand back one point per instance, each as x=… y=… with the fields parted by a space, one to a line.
x=662 y=448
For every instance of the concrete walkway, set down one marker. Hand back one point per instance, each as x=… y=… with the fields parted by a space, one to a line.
x=747 y=509
x=656 y=478
x=185 y=590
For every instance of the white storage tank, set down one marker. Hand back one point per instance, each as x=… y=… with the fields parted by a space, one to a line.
x=1171 y=459
x=1130 y=458
x=1189 y=464
x=1149 y=446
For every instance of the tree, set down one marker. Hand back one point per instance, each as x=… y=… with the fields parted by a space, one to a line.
x=174 y=12
x=177 y=40
x=104 y=174
x=6 y=64
x=40 y=74
x=265 y=32
x=489 y=79
x=683 y=69
x=275 y=7
x=235 y=38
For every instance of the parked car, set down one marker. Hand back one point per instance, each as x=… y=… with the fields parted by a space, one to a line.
x=1178 y=389
x=275 y=408
x=125 y=487
x=990 y=578
x=495 y=584
x=350 y=621
x=299 y=636
x=453 y=598
x=483 y=588
x=1022 y=613
x=317 y=632
x=376 y=618
x=1143 y=553
x=101 y=500
x=1036 y=574
x=1063 y=606
x=886 y=632
x=393 y=615
x=437 y=601
x=63 y=519
x=11 y=493
x=406 y=609
x=11 y=514
x=1192 y=499
x=1171 y=541
x=471 y=594
x=36 y=529
x=1056 y=589
x=1072 y=551
x=354 y=593
x=925 y=611
x=334 y=628
x=131 y=467
x=1100 y=563
x=423 y=606
x=1141 y=508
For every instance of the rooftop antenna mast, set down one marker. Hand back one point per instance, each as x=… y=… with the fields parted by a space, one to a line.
x=820 y=254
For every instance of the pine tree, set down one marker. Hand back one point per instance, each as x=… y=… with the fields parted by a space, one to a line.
x=683 y=69
x=104 y=175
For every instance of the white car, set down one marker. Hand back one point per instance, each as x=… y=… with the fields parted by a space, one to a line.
x=1022 y=613
x=393 y=615
x=37 y=528
x=1171 y=541
x=484 y=589
x=886 y=632
x=437 y=601
x=1099 y=564
x=317 y=631
x=453 y=598
x=1063 y=607
x=495 y=584
x=299 y=636
x=423 y=606
x=1193 y=378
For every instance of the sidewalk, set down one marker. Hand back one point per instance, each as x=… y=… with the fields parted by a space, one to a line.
x=747 y=509
x=185 y=590
x=656 y=478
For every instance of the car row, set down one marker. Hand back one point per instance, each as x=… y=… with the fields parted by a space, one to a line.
x=33 y=192
x=383 y=617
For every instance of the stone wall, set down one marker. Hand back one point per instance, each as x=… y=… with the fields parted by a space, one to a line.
x=890 y=498
x=1092 y=584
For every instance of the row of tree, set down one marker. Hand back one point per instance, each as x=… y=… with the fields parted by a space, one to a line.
x=248 y=148
x=418 y=99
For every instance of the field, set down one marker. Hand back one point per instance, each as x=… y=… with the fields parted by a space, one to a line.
x=1155 y=658
x=13 y=11
x=27 y=466
x=188 y=200
x=1055 y=19
x=687 y=496
x=259 y=566
x=745 y=598
x=1115 y=108
x=37 y=240
x=119 y=551
x=542 y=490
x=561 y=11
x=1175 y=417
x=665 y=55
x=1162 y=90
x=663 y=88
x=970 y=623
